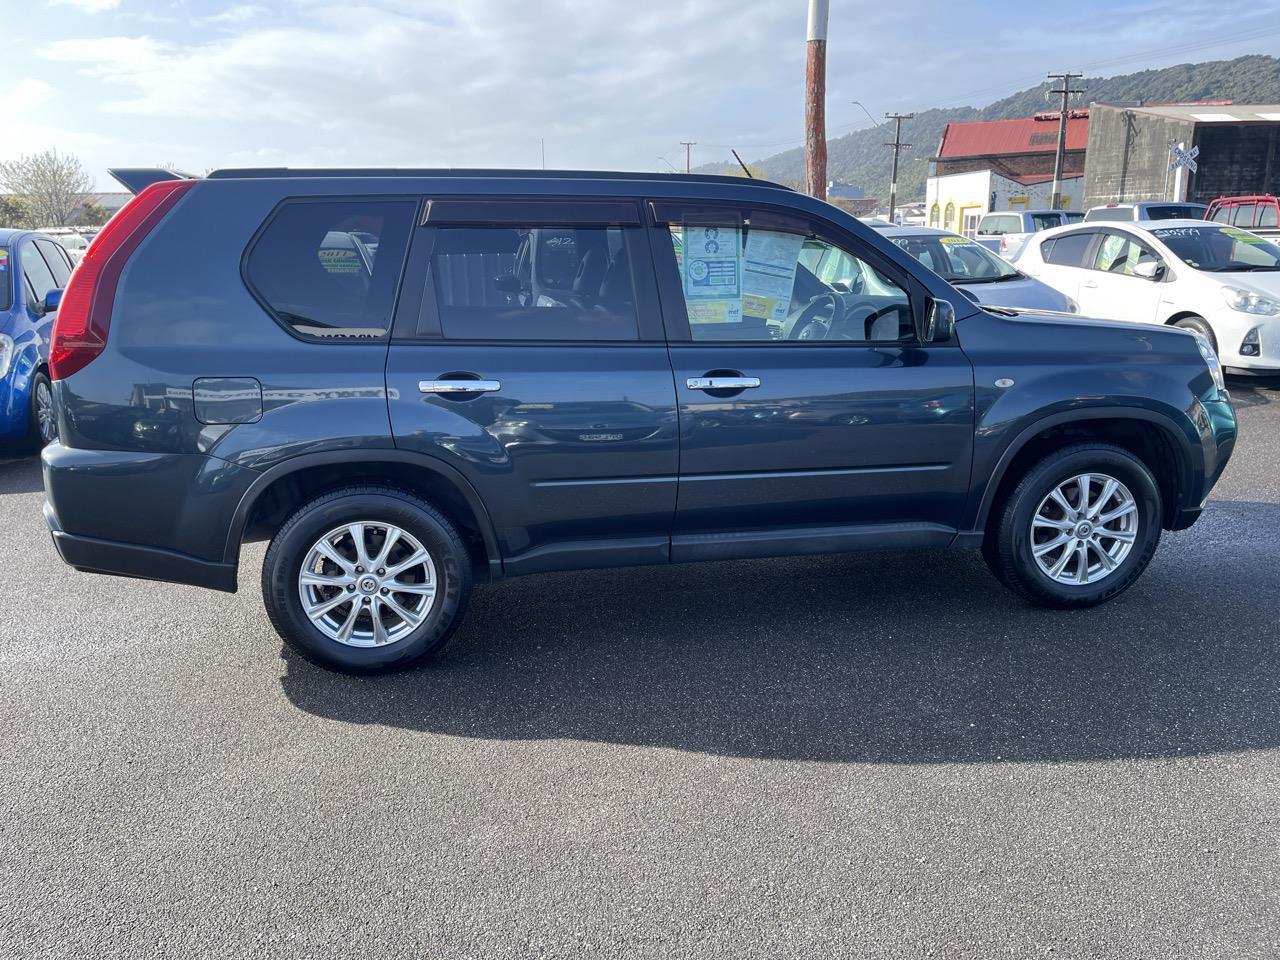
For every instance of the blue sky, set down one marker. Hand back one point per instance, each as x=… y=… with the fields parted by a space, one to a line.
x=608 y=83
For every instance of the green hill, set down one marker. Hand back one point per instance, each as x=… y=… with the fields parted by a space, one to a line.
x=861 y=158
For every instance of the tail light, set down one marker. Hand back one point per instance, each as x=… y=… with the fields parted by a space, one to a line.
x=1004 y=244
x=84 y=315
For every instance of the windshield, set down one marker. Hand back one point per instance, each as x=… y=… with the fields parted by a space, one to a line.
x=6 y=280
x=1176 y=211
x=1220 y=249
x=957 y=259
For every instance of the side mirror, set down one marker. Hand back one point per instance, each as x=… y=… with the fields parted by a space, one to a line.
x=51 y=301
x=1149 y=270
x=939 y=322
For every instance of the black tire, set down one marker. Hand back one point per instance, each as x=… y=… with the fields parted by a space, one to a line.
x=41 y=392
x=292 y=543
x=1199 y=325
x=1008 y=545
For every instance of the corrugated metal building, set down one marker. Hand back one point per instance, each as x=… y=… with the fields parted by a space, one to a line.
x=1128 y=151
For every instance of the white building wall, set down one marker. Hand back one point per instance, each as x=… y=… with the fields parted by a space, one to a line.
x=967 y=196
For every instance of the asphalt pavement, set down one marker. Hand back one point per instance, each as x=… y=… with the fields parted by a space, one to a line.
x=863 y=756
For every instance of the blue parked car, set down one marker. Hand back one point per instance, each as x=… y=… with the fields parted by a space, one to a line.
x=975 y=271
x=410 y=380
x=33 y=272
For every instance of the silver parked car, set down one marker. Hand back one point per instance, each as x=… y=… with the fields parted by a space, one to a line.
x=974 y=270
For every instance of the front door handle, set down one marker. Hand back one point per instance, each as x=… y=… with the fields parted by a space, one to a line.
x=722 y=383
x=459 y=386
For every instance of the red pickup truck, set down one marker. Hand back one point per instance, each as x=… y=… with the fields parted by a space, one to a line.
x=1258 y=214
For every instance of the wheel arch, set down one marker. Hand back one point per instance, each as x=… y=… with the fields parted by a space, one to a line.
x=1162 y=446
x=277 y=491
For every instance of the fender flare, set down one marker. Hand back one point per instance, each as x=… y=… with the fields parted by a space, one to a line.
x=1169 y=426
x=231 y=552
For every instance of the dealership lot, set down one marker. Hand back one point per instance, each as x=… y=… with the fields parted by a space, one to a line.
x=859 y=755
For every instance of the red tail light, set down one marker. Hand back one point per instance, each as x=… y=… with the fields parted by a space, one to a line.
x=84 y=315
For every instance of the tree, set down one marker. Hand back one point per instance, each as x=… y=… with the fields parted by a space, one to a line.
x=14 y=212
x=50 y=184
x=92 y=215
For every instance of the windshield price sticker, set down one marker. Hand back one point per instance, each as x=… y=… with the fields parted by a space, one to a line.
x=962 y=240
x=1240 y=236
x=710 y=261
x=769 y=273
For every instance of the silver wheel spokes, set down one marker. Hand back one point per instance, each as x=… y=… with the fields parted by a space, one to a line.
x=367 y=584
x=44 y=413
x=1084 y=529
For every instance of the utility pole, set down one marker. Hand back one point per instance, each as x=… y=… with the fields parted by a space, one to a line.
x=1055 y=198
x=543 y=142
x=897 y=145
x=815 y=101
x=688 y=147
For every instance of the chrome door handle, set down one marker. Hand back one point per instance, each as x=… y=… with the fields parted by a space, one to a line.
x=459 y=386
x=722 y=383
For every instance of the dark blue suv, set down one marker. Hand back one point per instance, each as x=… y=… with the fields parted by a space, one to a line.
x=412 y=380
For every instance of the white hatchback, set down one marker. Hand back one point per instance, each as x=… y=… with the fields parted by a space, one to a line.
x=1217 y=280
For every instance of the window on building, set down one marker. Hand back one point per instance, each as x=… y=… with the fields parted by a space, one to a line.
x=933 y=215
x=949 y=217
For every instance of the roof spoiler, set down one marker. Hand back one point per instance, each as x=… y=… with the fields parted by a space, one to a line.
x=137 y=179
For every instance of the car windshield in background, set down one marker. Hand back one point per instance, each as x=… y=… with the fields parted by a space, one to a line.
x=1220 y=249
x=1044 y=221
x=957 y=259
x=1176 y=211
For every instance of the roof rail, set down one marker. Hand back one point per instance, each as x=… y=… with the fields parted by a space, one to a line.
x=247 y=173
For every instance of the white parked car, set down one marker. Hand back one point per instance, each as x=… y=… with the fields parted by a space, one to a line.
x=1218 y=281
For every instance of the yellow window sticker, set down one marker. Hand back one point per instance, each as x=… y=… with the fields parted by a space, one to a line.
x=1240 y=236
x=340 y=261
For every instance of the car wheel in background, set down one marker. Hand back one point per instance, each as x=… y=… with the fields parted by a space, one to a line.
x=366 y=579
x=1078 y=528
x=1200 y=326
x=44 y=420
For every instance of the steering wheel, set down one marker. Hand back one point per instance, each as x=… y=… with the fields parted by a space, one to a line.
x=811 y=324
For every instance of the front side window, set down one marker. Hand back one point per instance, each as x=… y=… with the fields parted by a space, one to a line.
x=1068 y=250
x=744 y=283
x=1119 y=254
x=534 y=283
x=330 y=268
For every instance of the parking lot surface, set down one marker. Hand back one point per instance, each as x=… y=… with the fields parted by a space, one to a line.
x=867 y=755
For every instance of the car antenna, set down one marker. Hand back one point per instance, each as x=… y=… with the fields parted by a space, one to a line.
x=741 y=164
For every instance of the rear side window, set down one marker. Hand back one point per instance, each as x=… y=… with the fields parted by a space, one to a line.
x=1068 y=250
x=330 y=268
x=1242 y=216
x=1222 y=214
x=1266 y=215
x=534 y=283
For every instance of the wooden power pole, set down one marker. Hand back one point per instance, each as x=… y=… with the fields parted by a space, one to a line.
x=897 y=145
x=815 y=100
x=688 y=154
x=1055 y=197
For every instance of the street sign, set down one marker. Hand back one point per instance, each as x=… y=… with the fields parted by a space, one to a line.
x=1183 y=158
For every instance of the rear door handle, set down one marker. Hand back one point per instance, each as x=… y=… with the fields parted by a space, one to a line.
x=459 y=386
x=722 y=383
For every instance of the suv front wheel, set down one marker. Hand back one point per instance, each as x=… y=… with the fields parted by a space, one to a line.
x=1078 y=529
x=365 y=579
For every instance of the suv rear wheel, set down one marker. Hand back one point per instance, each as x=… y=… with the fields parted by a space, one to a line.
x=1078 y=529
x=365 y=579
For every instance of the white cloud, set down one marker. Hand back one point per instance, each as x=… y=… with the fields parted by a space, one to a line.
x=26 y=94
x=87 y=6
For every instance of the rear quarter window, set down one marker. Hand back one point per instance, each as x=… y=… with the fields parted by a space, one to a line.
x=329 y=269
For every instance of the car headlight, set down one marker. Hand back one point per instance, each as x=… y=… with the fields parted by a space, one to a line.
x=1211 y=361
x=1246 y=301
x=6 y=354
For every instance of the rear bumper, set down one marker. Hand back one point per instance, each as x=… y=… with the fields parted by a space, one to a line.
x=91 y=555
x=157 y=516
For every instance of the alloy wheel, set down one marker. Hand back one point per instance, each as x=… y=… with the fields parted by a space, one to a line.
x=1084 y=529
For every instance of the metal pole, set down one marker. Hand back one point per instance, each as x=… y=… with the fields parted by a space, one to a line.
x=815 y=100
x=1055 y=197
x=688 y=146
x=897 y=145
x=543 y=142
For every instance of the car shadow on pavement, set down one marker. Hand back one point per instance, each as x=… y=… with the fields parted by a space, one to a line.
x=903 y=658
